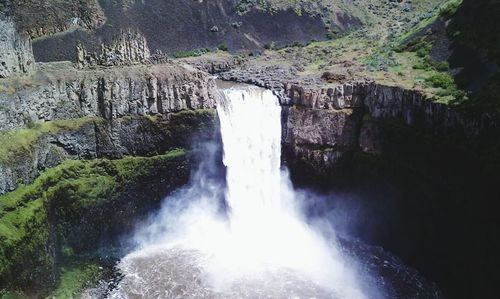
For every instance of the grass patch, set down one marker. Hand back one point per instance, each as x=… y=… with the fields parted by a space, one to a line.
x=445 y=10
x=19 y=142
x=75 y=277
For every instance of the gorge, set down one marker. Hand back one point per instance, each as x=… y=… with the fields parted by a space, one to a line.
x=259 y=248
x=151 y=166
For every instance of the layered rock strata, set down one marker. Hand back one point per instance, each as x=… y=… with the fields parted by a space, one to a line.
x=101 y=113
x=324 y=124
x=39 y=18
x=108 y=93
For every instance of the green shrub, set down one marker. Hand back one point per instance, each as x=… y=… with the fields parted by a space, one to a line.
x=420 y=46
x=270 y=46
x=75 y=276
x=380 y=61
x=448 y=87
x=18 y=143
x=245 y=5
x=441 y=66
x=330 y=35
x=421 y=66
x=423 y=50
x=450 y=9
x=297 y=44
x=222 y=47
x=444 y=81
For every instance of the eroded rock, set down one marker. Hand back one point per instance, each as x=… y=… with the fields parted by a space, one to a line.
x=16 y=53
x=107 y=93
x=129 y=47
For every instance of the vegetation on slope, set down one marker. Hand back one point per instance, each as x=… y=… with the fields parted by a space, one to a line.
x=475 y=26
x=348 y=14
x=71 y=206
x=76 y=276
x=18 y=143
x=389 y=52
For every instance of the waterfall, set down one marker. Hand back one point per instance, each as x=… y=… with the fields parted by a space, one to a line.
x=263 y=247
x=250 y=124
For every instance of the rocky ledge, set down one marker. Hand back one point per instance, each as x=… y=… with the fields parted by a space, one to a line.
x=70 y=209
x=322 y=125
x=60 y=91
x=325 y=122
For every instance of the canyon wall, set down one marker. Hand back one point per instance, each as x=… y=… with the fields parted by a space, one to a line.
x=415 y=176
x=86 y=152
x=92 y=138
x=39 y=18
x=321 y=126
x=59 y=113
x=70 y=93
x=16 y=53
x=88 y=114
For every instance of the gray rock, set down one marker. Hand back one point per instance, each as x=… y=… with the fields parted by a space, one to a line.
x=341 y=96
x=129 y=111
x=319 y=136
x=49 y=151
x=345 y=118
x=108 y=93
x=16 y=53
x=98 y=138
x=129 y=47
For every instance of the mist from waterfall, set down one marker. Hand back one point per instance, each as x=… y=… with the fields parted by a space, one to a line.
x=244 y=238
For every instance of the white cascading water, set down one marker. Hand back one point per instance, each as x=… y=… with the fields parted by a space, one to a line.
x=250 y=124
x=263 y=249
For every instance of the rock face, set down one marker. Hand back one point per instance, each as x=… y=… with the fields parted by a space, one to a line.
x=97 y=138
x=16 y=54
x=320 y=137
x=325 y=123
x=50 y=150
x=129 y=47
x=192 y=20
x=109 y=94
x=39 y=18
x=321 y=126
x=344 y=96
x=108 y=113
x=214 y=63
x=77 y=206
